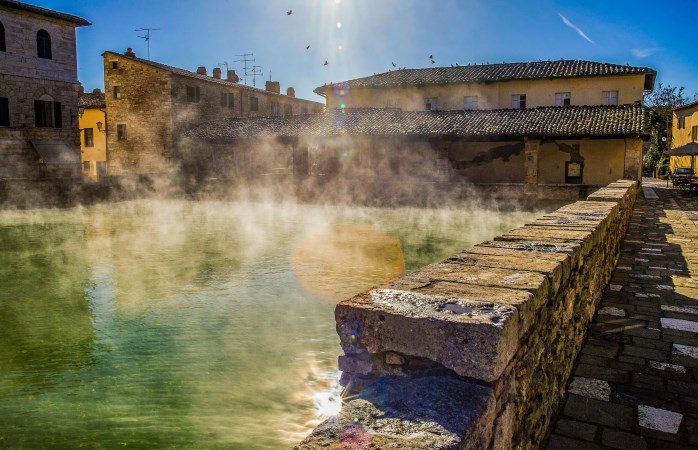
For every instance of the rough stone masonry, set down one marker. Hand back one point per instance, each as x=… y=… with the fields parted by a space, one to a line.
x=474 y=352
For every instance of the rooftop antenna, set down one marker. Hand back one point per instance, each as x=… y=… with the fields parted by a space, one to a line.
x=147 y=37
x=256 y=71
x=245 y=60
x=224 y=63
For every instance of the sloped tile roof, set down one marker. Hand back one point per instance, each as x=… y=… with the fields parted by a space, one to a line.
x=553 y=122
x=79 y=21
x=91 y=100
x=488 y=73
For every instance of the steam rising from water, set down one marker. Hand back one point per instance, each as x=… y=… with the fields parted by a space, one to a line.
x=188 y=324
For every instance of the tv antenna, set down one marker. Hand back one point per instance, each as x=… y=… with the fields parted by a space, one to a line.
x=245 y=60
x=147 y=37
x=256 y=71
x=224 y=63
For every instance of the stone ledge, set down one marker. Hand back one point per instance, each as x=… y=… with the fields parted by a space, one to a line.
x=473 y=338
x=430 y=413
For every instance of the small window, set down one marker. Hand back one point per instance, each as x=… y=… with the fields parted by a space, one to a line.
x=609 y=98
x=2 y=37
x=288 y=110
x=518 y=101
x=4 y=112
x=85 y=166
x=275 y=109
x=89 y=137
x=681 y=122
x=430 y=104
x=115 y=64
x=121 y=132
x=227 y=100
x=470 y=102
x=47 y=114
x=193 y=94
x=694 y=133
x=254 y=103
x=43 y=44
x=117 y=91
x=563 y=99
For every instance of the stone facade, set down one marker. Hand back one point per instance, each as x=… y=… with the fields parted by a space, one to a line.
x=510 y=315
x=156 y=103
x=25 y=77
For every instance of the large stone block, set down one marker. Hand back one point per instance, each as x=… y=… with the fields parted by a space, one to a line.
x=474 y=339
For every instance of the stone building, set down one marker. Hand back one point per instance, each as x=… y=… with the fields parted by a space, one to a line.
x=39 y=135
x=93 y=137
x=547 y=129
x=150 y=104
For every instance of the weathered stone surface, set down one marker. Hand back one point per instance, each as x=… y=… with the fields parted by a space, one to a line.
x=429 y=413
x=474 y=339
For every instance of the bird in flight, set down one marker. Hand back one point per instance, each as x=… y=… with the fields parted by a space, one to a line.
x=394 y=65
x=325 y=63
x=431 y=56
x=433 y=62
x=289 y=12
x=307 y=47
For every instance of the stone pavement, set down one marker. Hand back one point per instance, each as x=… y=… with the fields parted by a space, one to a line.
x=635 y=385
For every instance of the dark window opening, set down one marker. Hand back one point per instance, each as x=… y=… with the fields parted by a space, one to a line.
x=574 y=172
x=227 y=100
x=193 y=94
x=2 y=37
x=115 y=64
x=47 y=114
x=89 y=137
x=4 y=112
x=117 y=91
x=694 y=133
x=43 y=44
x=254 y=103
x=121 y=132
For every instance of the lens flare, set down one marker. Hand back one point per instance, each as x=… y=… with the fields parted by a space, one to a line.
x=339 y=25
x=339 y=261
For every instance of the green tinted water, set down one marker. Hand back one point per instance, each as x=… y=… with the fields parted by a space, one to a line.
x=185 y=325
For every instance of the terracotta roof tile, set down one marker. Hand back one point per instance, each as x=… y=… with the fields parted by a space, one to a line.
x=557 y=122
x=91 y=100
x=488 y=73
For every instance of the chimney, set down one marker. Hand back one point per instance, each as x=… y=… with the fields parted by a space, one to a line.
x=201 y=70
x=96 y=91
x=217 y=73
x=273 y=86
x=81 y=89
x=130 y=53
x=233 y=77
x=291 y=92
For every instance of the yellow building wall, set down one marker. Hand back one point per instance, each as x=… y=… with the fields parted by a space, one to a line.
x=604 y=160
x=682 y=136
x=97 y=153
x=584 y=91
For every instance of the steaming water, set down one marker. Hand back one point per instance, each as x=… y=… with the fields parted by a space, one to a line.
x=192 y=325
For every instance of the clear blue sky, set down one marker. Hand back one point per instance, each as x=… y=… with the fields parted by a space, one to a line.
x=362 y=37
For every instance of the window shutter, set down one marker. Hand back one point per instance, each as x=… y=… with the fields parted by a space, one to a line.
x=4 y=112
x=57 y=119
x=38 y=116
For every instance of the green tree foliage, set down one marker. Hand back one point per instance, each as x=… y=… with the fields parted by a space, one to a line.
x=661 y=102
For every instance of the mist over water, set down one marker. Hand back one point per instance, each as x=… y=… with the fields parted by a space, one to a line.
x=157 y=323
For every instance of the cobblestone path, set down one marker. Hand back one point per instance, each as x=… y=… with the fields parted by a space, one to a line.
x=635 y=385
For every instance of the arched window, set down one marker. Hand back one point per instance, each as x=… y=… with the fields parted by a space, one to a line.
x=43 y=44
x=2 y=37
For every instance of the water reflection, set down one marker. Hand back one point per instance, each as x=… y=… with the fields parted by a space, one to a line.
x=197 y=325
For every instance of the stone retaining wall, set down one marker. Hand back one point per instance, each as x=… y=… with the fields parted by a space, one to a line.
x=474 y=352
